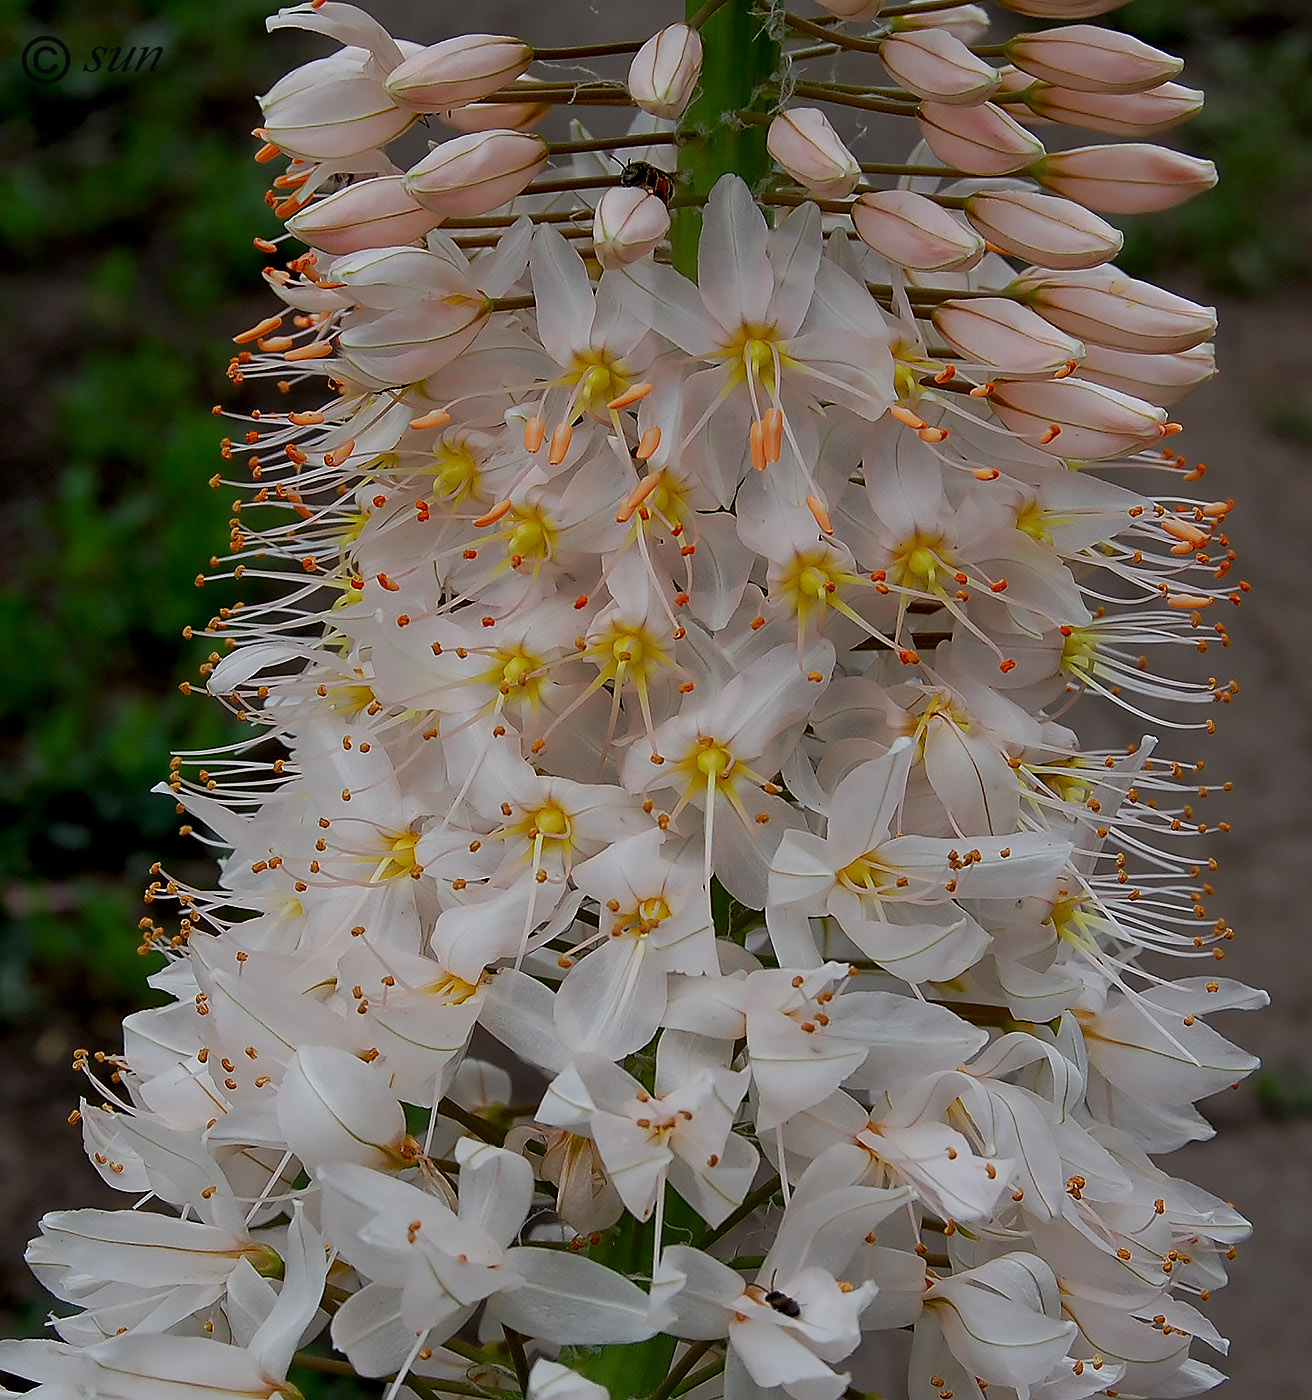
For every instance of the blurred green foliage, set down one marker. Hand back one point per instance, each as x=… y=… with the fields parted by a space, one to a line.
x=1253 y=58
x=127 y=205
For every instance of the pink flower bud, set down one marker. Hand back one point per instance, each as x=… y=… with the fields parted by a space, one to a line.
x=665 y=70
x=1164 y=379
x=1119 y=114
x=1075 y=419
x=1091 y=59
x=999 y=332
x=331 y=109
x=457 y=71
x=1105 y=307
x=981 y=140
x=809 y=149
x=374 y=213
x=1062 y=9
x=1128 y=179
x=474 y=173
x=852 y=9
x=1043 y=228
x=936 y=65
x=627 y=225
x=969 y=23
x=499 y=116
x=910 y=230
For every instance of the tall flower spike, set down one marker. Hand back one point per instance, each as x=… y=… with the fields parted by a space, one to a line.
x=683 y=573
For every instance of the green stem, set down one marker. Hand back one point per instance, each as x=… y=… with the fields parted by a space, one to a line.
x=833 y=36
x=518 y=1357
x=700 y=1377
x=740 y=63
x=690 y=1358
x=750 y=1202
x=447 y=1108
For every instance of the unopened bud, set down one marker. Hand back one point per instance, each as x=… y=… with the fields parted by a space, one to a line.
x=809 y=149
x=665 y=70
x=374 y=213
x=500 y=116
x=980 y=140
x=627 y=225
x=1089 y=58
x=331 y=109
x=937 y=66
x=1062 y=9
x=1001 y=333
x=1091 y=422
x=1131 y=178
x=457 y=71
x=471 y=174
x=1118 y=114
x=1103 y=306
x=969 y=23
x=1163 y=379
x=1043 y=228
x=910 y=230
x=852 y=9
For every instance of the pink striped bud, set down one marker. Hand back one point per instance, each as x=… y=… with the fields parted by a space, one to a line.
x=852 y=9
x=1165 y=379
x=1105 y=307
x=374 y=213
x=627 y=225
x=1043 y=229
x=457 y=71
x=474 y=173
x=1062 y=9
x=1001 y=333
x=1091 y=59
x=331 y=109
x=910 y=230
x=969 y=23
x=1118 y=114
x=1128 y=179
x=665 y=70
x=937 y=66
x=1074 y=419
x=499 y=116
x=809 y=149
x=981 y=140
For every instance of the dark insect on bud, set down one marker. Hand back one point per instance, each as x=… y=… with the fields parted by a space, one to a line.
x=648 y=177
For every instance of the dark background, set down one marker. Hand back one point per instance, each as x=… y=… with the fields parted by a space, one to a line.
x=128 y=201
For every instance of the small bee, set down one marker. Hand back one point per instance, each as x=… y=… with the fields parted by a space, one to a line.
x=781 y=1302
x=637 y=173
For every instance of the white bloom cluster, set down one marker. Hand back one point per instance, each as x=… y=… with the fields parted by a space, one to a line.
x=660 y=839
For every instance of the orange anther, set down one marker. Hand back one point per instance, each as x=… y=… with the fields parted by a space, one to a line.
x=631 y=396
x=905 y=415
x=389 y=583
x=821 y=512
x=267 y=152
x=756 y=441
x=1053 y=432
x=315 y=350
x=274 y=344
x=636 y=497
x=650 y=441
x=498 y=512
x=270 y=323
x=561 y=438
x=437 y=418
x=986 y=473
x=306 y=419
x=535 y=433
x=1189 y=602
x=772 y=429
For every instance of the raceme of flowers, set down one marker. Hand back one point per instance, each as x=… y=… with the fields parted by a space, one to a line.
x=668 y=934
